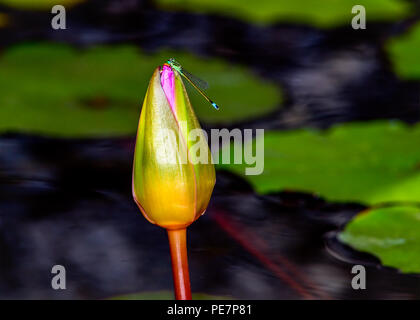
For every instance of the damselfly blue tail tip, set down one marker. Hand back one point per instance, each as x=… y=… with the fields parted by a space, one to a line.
x=215 y=105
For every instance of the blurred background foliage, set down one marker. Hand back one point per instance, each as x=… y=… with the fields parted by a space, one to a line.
x=322 y=13
x=3 y=20
x=404 y=53
x=368 y=163
x=293 y=68
x=57 y=90
x=393 y=234
x=38 y=4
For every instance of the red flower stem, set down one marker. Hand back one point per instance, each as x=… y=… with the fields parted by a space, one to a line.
x=178 y=247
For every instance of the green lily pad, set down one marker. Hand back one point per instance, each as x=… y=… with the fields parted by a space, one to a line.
x=166 y=295
x=57 y=90
x=404 y=53
x=319 y=13
x=370 y=162
x=392 y=234
x=38 y=4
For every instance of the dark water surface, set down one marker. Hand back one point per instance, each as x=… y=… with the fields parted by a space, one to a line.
x=69 y=202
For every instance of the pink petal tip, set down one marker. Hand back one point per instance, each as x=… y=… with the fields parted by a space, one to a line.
x=167 y=80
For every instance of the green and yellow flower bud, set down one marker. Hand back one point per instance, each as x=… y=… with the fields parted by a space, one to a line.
x=171 y=188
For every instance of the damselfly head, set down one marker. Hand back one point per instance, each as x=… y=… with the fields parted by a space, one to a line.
x=173 y=63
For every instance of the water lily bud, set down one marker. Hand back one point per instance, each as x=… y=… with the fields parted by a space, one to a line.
x=172 y=182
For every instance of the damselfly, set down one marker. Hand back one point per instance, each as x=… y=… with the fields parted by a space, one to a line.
x=198 y=84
